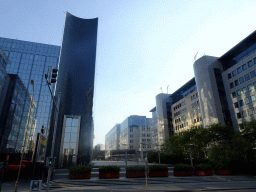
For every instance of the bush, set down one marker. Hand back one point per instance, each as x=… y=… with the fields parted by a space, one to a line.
x=109 y=168
x=135 y=168
x=183 y=167
x=158 y=168
x=203 y=166
x=80 y=169
x=219 y=165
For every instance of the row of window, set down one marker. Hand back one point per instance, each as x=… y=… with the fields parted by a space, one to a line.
x=247 y=101
x=181 y=126
x=197 y=119
x=195 y=104
x=242 y=79
x=180 y=112
x=184 y=117
x=195 y=112
x=144 y=134
x=244 y=113
x=145 y=140
x=144 y=128
x=194 y=96
x=179 y=105
x=240 y=69
x=244 y=90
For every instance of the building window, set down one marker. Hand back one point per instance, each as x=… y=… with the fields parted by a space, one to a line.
x=238 y=93
x=148 y=128
x=194 y=120
x=143 y=128
x=244 y=90
x=247 y=100
x=143 y=135
x=131 y=141
x=250 y=87
x=244 y=114
x=231 y=85
x=143 y=140
x=197 y=119
x=253 y=74
x=241 y=103
x=250 y=64
x=131 y=129
x=238 y=115
x=229 y=76
x=241 y=79
x=244 y=67
x=247 y=77
x=131 y=146
x=131 y=135
x=149 y=146
x=148 y=134
x=250 y=112
x=236 y=104
x=233 y=73
x=236 y=83
x=234 y=94
x=253 y=98
x=148 y=140
x=239 y=70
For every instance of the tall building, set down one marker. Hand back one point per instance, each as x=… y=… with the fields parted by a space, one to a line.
x=30 y=61
x=74 y=138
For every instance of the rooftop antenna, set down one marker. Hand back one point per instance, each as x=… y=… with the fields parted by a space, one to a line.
x=167 y=89
x=161 y=89
x=195 y=56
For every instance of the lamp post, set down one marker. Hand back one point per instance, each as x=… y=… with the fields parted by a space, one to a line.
x=158 y=153
x=125 y=156
x=190 y=155
x=24 y=144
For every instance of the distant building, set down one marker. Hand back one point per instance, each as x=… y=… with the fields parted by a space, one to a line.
x=100 y=147
x=112 y=140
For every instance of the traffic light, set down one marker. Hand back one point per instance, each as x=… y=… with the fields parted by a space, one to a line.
x=52 y=78
x=50 y=161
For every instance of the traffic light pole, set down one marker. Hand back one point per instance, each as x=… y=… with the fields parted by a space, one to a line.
x=54 y=136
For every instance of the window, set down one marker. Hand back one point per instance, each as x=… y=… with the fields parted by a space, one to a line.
x=238 y=92
x=131 y=135
x=143 y=140
x=131 y=129
x=229 y=76
x=244 y=114
x=236 y=82
x=131 y=146
x=234 y=73
x=234 y=94
x=194 y=120
x=143 y=135
x=247 y=100
x=247 y=77
x=238 y=115
x=236 y=104
x=193 y=113
x=239 y=70
x=131 y=141
x=196 y=95
x=241 y=103
x=250 y=64
x=252 y=73
x=148 y=128
x=241 y=79
x=244 y=67
x=143 y=128
x=231 y=85
x=244 y=90
x=253 y=98
x=250 y=112
x=250 y=87
x=148 y=134
x=197 y=119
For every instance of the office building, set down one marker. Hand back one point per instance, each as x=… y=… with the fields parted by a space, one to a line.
x=75 y=131
x=100 y=147
x=17 y=120
x=112 y=140
x=30 y=61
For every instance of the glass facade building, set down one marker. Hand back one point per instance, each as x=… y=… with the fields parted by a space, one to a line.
x=76 y=84
x=30 y=61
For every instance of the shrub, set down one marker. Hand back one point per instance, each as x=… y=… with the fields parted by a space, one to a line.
x=135 y=168
x=203 y=166
x=79 y=169
x=182 y=167
x=158 y=168
x=220 y=165
x=109 y=168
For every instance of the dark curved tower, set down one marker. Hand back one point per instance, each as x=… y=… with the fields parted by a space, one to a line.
x=74 y=138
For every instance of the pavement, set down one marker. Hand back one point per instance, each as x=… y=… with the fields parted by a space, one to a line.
x=164 y=184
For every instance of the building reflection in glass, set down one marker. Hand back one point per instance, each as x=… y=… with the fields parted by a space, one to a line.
x=69 y=141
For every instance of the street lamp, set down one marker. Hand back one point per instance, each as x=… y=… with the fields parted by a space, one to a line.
x=24 y=145
x=125 y=155
x=158 y=153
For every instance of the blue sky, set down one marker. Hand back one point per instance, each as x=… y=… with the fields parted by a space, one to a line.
x=143 y=45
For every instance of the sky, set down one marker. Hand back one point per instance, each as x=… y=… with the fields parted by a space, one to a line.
x=142 y=45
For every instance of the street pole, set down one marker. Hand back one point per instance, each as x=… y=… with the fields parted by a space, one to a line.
x=159 y=156
x=146 y=171
x=53 y=141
